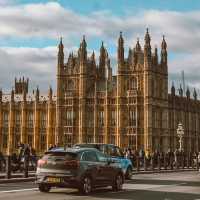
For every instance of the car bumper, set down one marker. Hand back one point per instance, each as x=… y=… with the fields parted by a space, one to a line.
x=64 y=181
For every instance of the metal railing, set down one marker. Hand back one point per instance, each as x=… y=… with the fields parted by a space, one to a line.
x=10 y=169
x=27 y=168
x=165 y=163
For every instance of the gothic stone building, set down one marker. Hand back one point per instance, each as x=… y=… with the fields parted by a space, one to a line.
x=130 y=109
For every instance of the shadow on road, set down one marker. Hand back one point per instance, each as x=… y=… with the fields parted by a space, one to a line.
x=134 y=194
x=165 y=182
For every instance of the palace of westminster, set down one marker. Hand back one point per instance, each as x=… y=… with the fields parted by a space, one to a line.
x=131 y=109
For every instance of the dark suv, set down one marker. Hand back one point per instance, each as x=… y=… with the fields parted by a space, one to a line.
x=115 y=153
x=83 y=168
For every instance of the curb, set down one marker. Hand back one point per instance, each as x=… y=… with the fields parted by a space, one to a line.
x=31 y=179
x=164 y=171
x=2 y=177
x=17 y=180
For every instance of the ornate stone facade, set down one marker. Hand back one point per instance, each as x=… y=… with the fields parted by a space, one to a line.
x=132 y=108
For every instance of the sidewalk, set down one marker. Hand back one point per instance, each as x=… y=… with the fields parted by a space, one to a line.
x=162 y=171
x=17 y=177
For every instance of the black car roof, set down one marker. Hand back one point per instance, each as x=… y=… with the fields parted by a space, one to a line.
x=72 y=150
x=95 y=144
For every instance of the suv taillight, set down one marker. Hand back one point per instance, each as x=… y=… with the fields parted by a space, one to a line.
x=41 y=162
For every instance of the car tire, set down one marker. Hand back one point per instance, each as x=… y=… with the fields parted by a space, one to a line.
x=128 y=174
x=118 y=183
x=44 y=188
x=86 y=185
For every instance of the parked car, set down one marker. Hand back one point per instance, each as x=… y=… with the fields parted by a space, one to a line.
x=116 y=153
x=81 y=168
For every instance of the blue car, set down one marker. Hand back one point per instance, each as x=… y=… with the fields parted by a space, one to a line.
x=116 y=153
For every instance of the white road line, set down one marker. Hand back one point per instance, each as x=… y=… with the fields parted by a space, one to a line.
x=22 y=190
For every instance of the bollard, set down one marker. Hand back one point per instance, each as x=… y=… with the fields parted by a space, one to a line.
x=182 y=160
x=8 y=167
x=26 y=163
x=145 y=164
x=197 y=163
x=159 y=166
x=171 y=163
x=137 y=164
x=165 y=162
x=188 y=161
x=152 y=163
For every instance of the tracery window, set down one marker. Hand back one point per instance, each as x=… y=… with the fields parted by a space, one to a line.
x=132 y=117
x=113 y=117
x=30 y=119
x=17 y=118
x=43 y=119
x=101 y=118
x=69 y=118
x=133 y=83
x=5 y=118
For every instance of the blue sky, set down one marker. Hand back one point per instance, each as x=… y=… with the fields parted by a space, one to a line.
x=123 y=6
x=30 y=30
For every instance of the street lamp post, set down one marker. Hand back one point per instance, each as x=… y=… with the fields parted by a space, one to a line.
x=180 y=133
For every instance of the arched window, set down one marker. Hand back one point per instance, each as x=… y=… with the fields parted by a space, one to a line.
x=133 y=83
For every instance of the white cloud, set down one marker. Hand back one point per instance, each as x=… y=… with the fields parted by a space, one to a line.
x=51 y=20
x=5 y=2
x=39 y=64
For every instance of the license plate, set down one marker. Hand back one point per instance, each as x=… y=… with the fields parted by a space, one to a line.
x=53 y=180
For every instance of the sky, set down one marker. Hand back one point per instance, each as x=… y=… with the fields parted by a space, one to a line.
x=30 y=32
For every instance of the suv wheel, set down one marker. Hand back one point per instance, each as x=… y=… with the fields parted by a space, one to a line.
x=44 y=188
x=128 y=173
x=118 y=183
x=86 y=186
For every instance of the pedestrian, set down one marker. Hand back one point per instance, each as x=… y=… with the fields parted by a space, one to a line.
x=33 y=157
x=50 y=147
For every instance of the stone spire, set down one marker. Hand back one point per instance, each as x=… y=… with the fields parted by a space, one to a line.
x=195 y=94
x=83 y=50
x=180 y=91
x=93 y=58
x=102 y=57
x=156 y=56
x=50 y=93
x=147 y=47
x=188 y=93
x=138 y=46
x=12 y=96
x=147 y=39
x=173 y=90
x=37 y=94
x=120 y=50
x=60 y=65
x=163 y=51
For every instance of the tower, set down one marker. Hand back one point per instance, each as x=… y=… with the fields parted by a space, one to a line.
x=148 y=100
x=60 y=95
x=121 y=79
x=82 y=90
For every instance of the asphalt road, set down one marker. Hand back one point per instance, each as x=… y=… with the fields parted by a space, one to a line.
x=168 y=186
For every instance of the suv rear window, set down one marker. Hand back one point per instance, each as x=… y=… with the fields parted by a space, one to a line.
x=65 y=155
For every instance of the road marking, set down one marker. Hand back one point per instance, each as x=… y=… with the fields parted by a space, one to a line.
x=22 y=190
